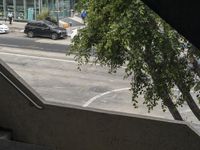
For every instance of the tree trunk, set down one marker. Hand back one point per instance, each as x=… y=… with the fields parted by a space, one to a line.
x=165 y=95
x=172 y=108
x=190 y=101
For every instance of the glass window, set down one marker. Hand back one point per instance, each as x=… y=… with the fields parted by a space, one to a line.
x=10 y=6
x=1 y=9
x=30 y=10
x=20 y=10
x=44 y=25
x=38 y=24
x=66 y=8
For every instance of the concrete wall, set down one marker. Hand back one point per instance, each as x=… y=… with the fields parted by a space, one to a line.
x=73 y=128
x=11 y=145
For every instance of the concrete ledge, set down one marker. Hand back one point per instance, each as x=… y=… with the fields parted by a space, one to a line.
x=11 y=145
x=8 y=73
x=5 y=134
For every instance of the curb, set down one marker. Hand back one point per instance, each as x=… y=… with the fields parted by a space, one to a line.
x=16 y=30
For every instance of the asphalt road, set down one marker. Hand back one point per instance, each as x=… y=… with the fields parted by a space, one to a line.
x=20 y=40
x=42 y=63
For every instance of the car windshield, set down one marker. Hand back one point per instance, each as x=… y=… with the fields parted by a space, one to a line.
x=50 y=24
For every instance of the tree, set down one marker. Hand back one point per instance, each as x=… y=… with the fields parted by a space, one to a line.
x=81 y=4
x=45 y=15
x=127 y=33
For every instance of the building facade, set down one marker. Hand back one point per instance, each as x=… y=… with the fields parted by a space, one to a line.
x=29 y=9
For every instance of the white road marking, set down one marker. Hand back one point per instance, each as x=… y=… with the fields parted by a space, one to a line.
x=16 y=46
x=102 y=94
x=46 y=58
x=38 y=57
x=49 y=41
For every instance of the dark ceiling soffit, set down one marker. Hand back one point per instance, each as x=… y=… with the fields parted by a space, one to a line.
x=183 y=15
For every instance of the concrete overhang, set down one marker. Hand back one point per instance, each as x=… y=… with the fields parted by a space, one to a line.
x=183 y=15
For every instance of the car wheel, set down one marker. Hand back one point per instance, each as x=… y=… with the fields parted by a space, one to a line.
x=30 y=34
x=54 y=36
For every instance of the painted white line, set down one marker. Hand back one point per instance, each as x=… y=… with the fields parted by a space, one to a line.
x=16 y=46
x=102 y=94
x=46 y=58
x=10 y=45
x=38 y=57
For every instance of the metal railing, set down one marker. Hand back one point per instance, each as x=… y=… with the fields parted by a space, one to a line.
x=24 y=94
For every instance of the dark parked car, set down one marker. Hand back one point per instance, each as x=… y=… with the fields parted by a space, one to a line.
x=44 y=29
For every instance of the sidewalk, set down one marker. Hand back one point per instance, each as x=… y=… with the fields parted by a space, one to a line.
x=15 y=26
x=77 y=19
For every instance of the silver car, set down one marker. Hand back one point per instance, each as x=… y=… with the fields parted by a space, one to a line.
x=4 y=28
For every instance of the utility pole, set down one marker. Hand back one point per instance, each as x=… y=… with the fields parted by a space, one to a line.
x=35 y=9
x=25 y=7
x=4 y=9
x=58 y=6
x=39 y=6
x=14 y=10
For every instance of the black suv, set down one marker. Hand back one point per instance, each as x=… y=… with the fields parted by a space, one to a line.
x=45 y=29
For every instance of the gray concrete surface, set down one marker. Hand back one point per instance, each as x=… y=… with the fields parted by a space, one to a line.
x=20 y=40
x=5 y=134
x=13 y=145
x=15 y=26
x=63 y=126
x=57 y=74
x=56 y=78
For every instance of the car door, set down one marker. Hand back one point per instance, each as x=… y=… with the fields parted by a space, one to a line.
x=37 y=29
x=45 y=30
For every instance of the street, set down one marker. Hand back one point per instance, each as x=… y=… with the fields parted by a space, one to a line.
x=20 y=40
x=43 y=64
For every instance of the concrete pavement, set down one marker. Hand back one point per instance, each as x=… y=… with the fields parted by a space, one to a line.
x=15 y=26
